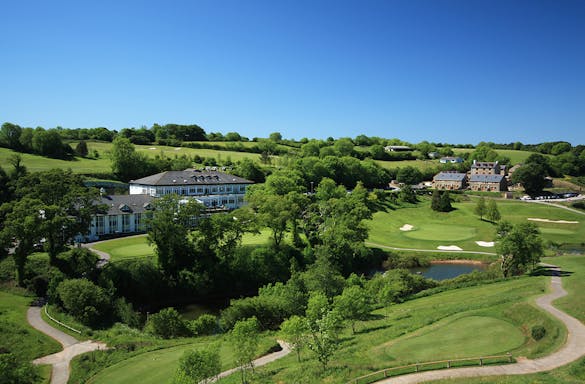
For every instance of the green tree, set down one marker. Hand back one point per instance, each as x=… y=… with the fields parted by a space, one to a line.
x=21 y=229
x=15 y=371
x=198 y=366
x=67 y=206
x=407 y=195
x=167 y=323
x=519 y=246
x=245 y=339
x=10 y=136
x=409 y=175
x=294 y=331
x=168 y=230
x=352 y=305
x=276 y=137
x=323 y=339
x=445 y=202
x=436 y=200
x=85 y=301
x=480 y=208
x=81 y=148
x=492 y=211
x=532 y=178
x=127 y=164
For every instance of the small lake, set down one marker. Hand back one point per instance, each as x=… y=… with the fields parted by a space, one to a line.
x=444 y=271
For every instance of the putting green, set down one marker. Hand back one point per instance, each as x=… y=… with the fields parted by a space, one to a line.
x=441 y=232
x=489 y=336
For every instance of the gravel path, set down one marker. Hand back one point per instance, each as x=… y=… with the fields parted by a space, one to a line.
x=261 y=360
x=573 y=349
x=71 y=347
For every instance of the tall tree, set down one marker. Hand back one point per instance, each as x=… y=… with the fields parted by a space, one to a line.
x=67 y=206
x=127 y=164
x=352 y=305
x=294 y=331
x=519 y=247
x=480 y=208
x=532 y=178
x=168 y=230
x=492 y=211
x=245 y=338
x=198 y=366
x=21 y=230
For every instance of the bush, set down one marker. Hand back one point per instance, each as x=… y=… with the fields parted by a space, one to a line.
x=269 y=311
x=203 y=325
x=538 y=332
x=167 y=324
x=85 y=301
x=15 y=372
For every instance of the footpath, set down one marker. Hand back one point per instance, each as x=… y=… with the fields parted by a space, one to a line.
x=71 y=347
x=573 y=349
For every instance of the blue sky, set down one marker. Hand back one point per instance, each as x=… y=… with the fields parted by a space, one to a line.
x=439 y=70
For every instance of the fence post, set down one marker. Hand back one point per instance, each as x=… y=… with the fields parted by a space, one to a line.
x=509 y=357
x=449 y=364
x=481 y=361
x=385 y=374
x=416 y=368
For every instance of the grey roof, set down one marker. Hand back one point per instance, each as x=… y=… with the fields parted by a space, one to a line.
x=484 y=164
x=190 y=177
x=486 y=178
x=450 y=176
x=452 y=158
x=121 y=204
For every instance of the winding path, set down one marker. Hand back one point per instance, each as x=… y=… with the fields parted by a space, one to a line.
x=71 y=347
x=573 y=349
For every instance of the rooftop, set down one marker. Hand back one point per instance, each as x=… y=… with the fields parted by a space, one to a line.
x=449 y=176
x=191 y=177
x=486 y=178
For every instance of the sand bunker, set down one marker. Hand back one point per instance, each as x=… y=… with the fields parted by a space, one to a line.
x=485 y=243
x=449 y=248
x=152 y=148
x=553 y=221
x=406 y=227
x=177 y=149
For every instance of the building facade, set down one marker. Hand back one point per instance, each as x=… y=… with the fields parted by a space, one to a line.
x=450 y=160
x=212 y=188
x=451 y=181
x=488 y=183
x=485 y=168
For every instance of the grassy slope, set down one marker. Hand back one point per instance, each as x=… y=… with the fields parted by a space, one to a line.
x=159 y=366
x=463 y=228
x=409 y=332
x=573 y=304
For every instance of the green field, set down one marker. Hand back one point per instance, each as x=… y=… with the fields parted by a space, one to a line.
x=126 y=248
x=574 y=304
x=463 y=228
x=514 y=155
x=36 y=163
x=159 y=366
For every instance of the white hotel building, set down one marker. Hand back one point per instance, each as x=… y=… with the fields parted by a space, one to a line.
x=126 y=214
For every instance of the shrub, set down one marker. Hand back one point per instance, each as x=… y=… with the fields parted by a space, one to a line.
x=205 y=324
x=538 y=332
x=167 y=324
x=85 y=301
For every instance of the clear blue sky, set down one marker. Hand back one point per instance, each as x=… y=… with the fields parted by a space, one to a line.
x=447 y=71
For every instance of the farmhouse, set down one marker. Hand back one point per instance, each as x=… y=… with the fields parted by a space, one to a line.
x=126 y=214
x=450 y=181
x=450 y=160
x=488 y=183
x=485 y=168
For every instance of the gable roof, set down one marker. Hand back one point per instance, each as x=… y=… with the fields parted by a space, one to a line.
x=486 y=178
x=190 y=177
x=450 y=176
x=125 y=204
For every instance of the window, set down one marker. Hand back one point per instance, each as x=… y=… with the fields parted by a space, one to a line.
x=100 y=225
x=138 y=224
x=126 y=223
x=113 y=224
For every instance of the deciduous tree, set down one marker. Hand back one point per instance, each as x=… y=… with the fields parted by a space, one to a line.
x=480 y=208
x=245 y=338
x=198 y=366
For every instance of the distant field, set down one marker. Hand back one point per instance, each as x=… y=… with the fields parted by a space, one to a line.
x=418 y=164
x=36 y=163
x=514 y=155
x=463 y=228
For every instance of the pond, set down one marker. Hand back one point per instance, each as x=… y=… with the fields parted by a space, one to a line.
x=444 y=271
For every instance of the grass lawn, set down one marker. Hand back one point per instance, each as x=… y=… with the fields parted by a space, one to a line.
x=574 y=304
x=463 y=228
x=514 y=155
x=474 y=321
x=418 y=164
x=159 y=366
x=126 y=248
x=36 y=163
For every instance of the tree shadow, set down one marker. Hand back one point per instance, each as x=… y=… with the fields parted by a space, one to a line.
x=542 y=270
x=372 y=329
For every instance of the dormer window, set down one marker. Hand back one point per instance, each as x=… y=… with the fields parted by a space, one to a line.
x=124 y=208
